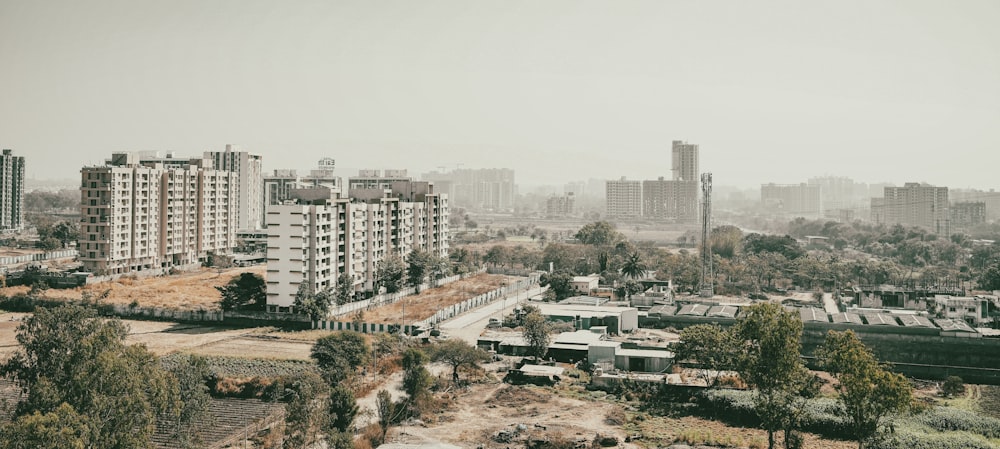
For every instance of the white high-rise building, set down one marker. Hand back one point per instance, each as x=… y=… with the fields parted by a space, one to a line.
x=249 y=185
x=319 y=234
x=624 y=198
x=154 y=213
x=11 y=191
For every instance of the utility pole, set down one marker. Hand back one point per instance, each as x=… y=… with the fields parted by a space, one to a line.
x=707 y=276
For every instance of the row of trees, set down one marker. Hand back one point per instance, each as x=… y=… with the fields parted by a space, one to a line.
x=763 y=347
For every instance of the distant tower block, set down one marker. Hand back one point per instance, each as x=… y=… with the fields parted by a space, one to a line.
x=707 y=285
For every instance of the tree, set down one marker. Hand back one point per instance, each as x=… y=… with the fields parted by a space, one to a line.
x=599 y=233
x=782 y=244
x=345 y=289
x=458 y=353
x=634 y=268
x=191 y=373
x=498 y=256
x=712 y=346
x=416 y=269
x=246 y=291
x=629 y=288
x=953 y=386
x=770 y=339
x=304 y=413
x=416 y=380
x=726 y=241
x=536 y=333
x=62 y=428
x=340 y=354
x=315 y=305
x=70 y=356
x=342 y=409
x=989 y=279
x=559 y=284
x=385 y=409
x=390 y=273
x=868 y=390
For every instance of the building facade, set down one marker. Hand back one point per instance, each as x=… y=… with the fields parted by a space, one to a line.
x=804 y=200
x=320 y=234
x=624 y=198
x=249 y=185
x=967 y=214
x=914 y=204
x=491 y=189
x=149 y=213
x=560 y=206
x=11 y=191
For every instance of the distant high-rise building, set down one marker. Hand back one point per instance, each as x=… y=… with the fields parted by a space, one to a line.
x=560 y=206
x=491 y=189
x=685 y=161
x=803 y=200
x=967 y=214
x=990 y=198
x=686 y=176
x=148 y=213
x=11 y=191
x=914 y=204
x=249 y=185
x=624 y=198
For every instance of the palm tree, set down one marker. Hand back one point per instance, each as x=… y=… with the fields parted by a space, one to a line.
x=633 y=267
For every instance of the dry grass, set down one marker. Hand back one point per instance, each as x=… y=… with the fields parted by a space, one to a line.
x=428 y=302
x=189 y=290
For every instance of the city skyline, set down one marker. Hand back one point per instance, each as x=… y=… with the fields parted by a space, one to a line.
x=559 y=91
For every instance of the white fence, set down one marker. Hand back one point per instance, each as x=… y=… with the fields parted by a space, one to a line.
x=389 y=298
x=38 y=257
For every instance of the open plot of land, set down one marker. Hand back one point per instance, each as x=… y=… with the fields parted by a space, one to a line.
x=186 y=290
x=428 y=302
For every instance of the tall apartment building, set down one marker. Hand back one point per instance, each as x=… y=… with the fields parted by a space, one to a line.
x=914 y=204
x=320 y=234
x=967 y=214
x=11 y=191
x=560 y=206
x=685 y=161
x=249 y=185
x=804 y=200
x=990 y=198
x=624 y=198
x=279 y=184
x=686 y=178
x=479 y=189
x=154 y=213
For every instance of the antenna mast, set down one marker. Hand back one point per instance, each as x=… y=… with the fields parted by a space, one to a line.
x=707 y=276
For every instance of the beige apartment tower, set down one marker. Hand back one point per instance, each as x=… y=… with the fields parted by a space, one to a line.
x=11 y=191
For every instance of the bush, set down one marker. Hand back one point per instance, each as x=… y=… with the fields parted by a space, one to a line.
x=907 y=440
x=954 y=419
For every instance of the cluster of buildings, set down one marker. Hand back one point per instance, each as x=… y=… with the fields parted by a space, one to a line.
x=144 y=211
x=11 y=191
x=483 y=189
x=661 y=199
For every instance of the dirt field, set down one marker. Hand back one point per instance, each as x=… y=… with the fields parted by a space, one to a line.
x=428 y=302
x=190 y=290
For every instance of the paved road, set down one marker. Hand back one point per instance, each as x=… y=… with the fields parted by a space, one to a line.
x=469 y=325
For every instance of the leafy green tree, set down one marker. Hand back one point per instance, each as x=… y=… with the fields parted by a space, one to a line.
x=390 y=273
x=385 y=410
x=340 y=440
x=634 y=267
x=989 y=279
x=315 y=305
x=869 y=391
x=246 y=291
x=558 y=284
x=70 y=356
x=340 y=354
x=416 y=269
x=62 y=428
x=953 y=386
x=458 y=353
x=345 y=289
x=343 y=408
x=535 y=331
x=712 y=346
x=782 y=244
x=726 y=241
x=770 y=339
x=629 y=288
x=599 y=233
x=498 y=256
x=304 y=413
x=192 y=374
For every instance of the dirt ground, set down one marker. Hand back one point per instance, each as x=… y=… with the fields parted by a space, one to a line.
x=428 y=302
x=188 y=290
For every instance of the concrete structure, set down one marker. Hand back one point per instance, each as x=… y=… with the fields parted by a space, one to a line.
x=965 y=215
x=685 y=170
x=491 y=189
x=248 y=187
x=991 y=198
x=583 y=285
x=11 y=191
x=624 y=198
x=618 y=319
x=972 y=310
x=914 y=204
x=842 y=197
x=670 y=199
x=803 y=200
x=320 y=234
x=560 y=206
x=154 y=213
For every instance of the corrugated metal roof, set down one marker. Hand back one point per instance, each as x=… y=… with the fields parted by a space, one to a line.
x=693 y=310
x=846 y=318
x=950 y=325
x=664 y=310
x=723 y=311
x=915 y=321
x=880 y=319
x=812 y=314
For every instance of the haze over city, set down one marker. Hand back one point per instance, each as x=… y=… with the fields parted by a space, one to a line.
x=559 y=90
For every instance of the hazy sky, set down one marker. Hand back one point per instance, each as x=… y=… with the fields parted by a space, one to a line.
x=773 y=91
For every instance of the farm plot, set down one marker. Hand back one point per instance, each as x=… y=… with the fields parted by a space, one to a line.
x=428 y=302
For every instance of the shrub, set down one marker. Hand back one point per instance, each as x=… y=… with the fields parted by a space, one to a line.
x=955 y=419
x=907 y=440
